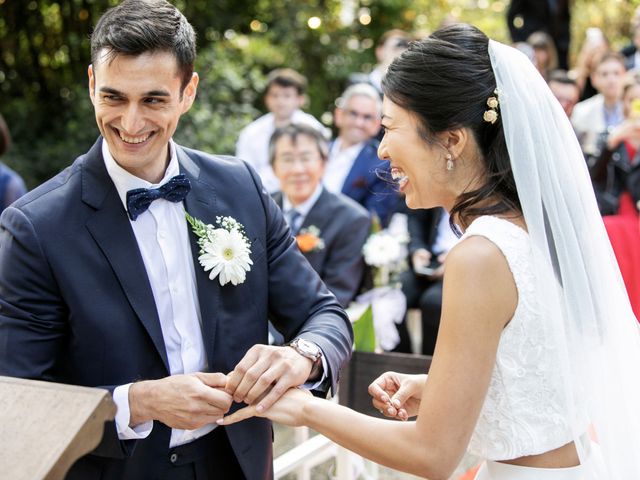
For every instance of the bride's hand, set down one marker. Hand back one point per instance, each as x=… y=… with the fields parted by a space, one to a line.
x=397 y=395
x=287 y=410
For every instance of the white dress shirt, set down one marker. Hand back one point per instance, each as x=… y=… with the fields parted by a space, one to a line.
x=339 y=164
x=253 y=144
x=302 y=208
x=162 y=234
x=375 y=78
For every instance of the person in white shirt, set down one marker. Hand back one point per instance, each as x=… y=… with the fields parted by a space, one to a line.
x=284 y=97
x=595 y=116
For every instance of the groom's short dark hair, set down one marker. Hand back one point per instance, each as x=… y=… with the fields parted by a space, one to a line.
x=138 y=26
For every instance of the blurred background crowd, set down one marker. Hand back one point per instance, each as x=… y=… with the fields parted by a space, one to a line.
x=294 y=88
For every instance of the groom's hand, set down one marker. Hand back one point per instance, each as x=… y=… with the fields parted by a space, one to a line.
x=180 y=401
x=267 y=371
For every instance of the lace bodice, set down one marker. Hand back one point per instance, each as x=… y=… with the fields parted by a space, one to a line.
x=522 y=413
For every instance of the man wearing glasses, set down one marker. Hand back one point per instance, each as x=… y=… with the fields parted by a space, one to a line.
x=354 y=168
x=330 y=228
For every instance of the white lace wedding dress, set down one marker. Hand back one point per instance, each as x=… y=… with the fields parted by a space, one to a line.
x=524 y=412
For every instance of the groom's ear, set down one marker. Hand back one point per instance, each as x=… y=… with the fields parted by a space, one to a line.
x=92 y=84
x=189 y=92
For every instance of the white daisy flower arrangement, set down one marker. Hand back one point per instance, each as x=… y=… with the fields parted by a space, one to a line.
x=386 y=253
x=382 y=249
x=224 y=250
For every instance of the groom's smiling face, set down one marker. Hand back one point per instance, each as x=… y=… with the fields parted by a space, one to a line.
x=138 y=101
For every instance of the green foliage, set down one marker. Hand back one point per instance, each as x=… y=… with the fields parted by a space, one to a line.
x=364 y=334
x=611 y=16
x=230 y=79
x=44 y=145
x=45 y=52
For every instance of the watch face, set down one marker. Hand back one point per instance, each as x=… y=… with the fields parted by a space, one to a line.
x=307 y=347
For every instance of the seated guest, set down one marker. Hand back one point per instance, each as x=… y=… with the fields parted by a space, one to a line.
x=565 y=89
x=284 y=97
x=354 y=168
x=615 y=172
x=330 y=228
x=594 y=116
x=11 y=184
x=430 y=239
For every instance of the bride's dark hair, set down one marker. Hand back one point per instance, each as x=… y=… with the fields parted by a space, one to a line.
x=445 y=81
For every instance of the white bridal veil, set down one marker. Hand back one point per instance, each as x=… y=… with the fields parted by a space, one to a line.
x=589 y=319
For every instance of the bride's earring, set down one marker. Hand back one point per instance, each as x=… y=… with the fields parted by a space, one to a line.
x=449 y=162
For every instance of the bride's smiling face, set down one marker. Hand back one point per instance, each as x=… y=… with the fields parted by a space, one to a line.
x=419 y=168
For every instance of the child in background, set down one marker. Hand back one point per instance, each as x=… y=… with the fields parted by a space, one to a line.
x=284 y=97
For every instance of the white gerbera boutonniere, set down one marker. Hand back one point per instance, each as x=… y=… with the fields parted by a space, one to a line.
x=224 y=251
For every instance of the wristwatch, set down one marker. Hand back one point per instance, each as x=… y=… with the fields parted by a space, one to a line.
x=306 y=349
x=311 y=351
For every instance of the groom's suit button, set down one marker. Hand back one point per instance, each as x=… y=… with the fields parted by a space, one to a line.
x=173 y=458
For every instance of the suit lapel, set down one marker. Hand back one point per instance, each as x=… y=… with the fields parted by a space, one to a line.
x=110 y=228
x=356 y=179
x=318 y=215
x=277 y=197
x=201 y=204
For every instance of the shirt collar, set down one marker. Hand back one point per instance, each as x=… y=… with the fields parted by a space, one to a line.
x=351 y=151
x=125 y=181
x=304 y=208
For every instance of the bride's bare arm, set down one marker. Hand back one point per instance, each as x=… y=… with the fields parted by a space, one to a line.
x=479 y=298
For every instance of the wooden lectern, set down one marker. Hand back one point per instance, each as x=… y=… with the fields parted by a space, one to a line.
x=45 y=427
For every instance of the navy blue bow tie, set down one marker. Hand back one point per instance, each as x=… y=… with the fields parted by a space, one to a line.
x=139 y=199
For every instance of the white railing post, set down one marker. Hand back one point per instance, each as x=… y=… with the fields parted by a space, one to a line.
x=301 y=435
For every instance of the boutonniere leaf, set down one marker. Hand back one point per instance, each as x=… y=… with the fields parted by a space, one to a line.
x=224 y=250
x=308 y=239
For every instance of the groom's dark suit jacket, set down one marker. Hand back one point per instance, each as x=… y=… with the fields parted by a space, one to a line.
x=344 y=226
x=76 y=305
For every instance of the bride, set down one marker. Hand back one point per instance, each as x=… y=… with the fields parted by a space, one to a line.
x=537 y=363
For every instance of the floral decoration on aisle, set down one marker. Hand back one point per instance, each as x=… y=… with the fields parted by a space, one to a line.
x=378 y=310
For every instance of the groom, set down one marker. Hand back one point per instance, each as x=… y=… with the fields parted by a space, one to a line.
x=101 y=284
